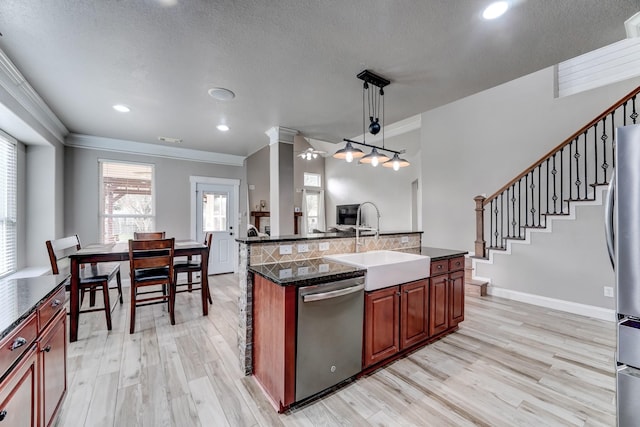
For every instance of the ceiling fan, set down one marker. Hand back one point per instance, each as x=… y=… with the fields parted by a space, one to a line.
x=310 y=154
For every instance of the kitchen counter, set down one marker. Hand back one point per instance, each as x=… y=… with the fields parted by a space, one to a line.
x=21 y=297
x=317 y=236
x=439 y=254
x=306 y=272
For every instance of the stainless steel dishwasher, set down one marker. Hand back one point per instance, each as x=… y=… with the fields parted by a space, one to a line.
x=329 y=337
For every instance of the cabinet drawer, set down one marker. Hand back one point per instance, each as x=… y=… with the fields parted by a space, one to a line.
x=456 y=263
x=50 y=307
x=438 y=267
x=17 y=342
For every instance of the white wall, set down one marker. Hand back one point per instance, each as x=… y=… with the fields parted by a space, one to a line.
x=390 y=190
x=477 y=144
x=173 y=212
x=41 y=203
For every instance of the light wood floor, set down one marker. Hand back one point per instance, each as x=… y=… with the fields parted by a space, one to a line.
x=510 y=364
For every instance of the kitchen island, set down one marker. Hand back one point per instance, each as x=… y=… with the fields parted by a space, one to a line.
x=33 y=357
x=407 y=317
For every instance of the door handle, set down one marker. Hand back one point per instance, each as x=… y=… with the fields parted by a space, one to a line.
x=331 y=294
x=608 y=220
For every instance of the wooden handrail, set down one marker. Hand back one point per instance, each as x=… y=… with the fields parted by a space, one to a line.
x=563 y=144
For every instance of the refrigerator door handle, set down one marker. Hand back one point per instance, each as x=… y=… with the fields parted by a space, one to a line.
x=608 y=220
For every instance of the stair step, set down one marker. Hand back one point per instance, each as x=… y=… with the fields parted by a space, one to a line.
x=599 y=184
x=534 y=226
x=475 y=287
x=580 y=200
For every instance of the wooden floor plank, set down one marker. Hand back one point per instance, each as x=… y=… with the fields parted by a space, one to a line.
x=510 y=363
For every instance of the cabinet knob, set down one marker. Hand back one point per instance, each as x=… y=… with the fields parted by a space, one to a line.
x=19 y=342
x=399 y=293
x=3 y=414
x=440 y=267
x=47 y=349
x=55 y=303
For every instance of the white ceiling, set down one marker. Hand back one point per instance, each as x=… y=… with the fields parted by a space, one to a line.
x=291 y=63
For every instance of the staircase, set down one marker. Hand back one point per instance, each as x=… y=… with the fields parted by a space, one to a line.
x=574 y=172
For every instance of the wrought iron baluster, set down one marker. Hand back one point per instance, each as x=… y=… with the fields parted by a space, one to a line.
x=570 y=172
x=533 y=200
x=624 y=113
x=634 y=115
x=562 y=180
x=604 y=138
x=519 y=207
x=554 y=171
x=513 y=209
x=595 y=152
x=526 y=200
x=539 y=191
x=613 y=139
x=508 y=230
x=586 y=181
x=577 y=157
x=547 y=198
x=501 y=220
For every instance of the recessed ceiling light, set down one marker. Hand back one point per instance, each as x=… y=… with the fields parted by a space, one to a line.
x=223 y=128
x=495 y=10
x=221 y=94
x=121 y=108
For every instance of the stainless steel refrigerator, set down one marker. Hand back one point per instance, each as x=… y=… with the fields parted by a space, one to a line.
x=622 y=219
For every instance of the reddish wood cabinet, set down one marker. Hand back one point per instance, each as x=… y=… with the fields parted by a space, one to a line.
x=396 y=318
x=401 y=317
x=33 y=389
x=381 y=332
x=446 y=295
x=53 y=367
x=274 y=340
x=19 y=392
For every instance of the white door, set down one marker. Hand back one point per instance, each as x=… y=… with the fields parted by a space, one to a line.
x=215 y=214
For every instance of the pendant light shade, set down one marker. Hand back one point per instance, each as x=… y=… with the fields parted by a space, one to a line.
x=396 y=163
x=348 y=153
x=374 y=158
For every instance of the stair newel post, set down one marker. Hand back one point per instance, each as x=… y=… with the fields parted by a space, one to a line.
x=480 y=242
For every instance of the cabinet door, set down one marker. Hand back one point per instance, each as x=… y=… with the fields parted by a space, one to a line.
x=438 y=305
x=53 y=363
x=456 y=298
x=414 y=313
x=18 y=402
x=381 y=320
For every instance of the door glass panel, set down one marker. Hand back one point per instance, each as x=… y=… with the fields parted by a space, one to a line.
x=214 y=211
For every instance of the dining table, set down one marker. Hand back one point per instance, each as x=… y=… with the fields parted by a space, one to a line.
x=112 y=252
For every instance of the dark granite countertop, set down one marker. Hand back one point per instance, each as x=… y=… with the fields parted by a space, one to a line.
x=307 y=272
x=437 y=254
x=21 y=297
x=317 y=236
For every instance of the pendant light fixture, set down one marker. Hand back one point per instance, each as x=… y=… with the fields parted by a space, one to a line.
x=375 y=102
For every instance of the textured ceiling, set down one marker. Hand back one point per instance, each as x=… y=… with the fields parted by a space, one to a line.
x=291 y=63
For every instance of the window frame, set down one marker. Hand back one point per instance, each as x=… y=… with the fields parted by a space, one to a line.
x=10 y=257
x=101 y=205
x=315 y=175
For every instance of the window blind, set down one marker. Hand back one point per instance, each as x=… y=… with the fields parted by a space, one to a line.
x=8 y=202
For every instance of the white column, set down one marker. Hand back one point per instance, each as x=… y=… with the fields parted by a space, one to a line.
x=281 y=180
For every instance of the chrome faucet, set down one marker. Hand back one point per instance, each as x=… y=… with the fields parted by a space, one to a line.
x=358 y=223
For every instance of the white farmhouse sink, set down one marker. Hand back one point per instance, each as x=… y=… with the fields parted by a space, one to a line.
x=386 y=268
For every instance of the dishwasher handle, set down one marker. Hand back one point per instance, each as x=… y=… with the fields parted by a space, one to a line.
x=331 y=294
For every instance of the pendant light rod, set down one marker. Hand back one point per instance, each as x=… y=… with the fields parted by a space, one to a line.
x=374 y=146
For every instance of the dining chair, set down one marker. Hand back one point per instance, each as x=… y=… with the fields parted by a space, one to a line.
x=148 y=235
x=93 y=277
x=191 y=266
x=151 y=263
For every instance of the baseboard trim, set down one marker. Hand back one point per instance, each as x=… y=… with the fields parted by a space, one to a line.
x=556 y=304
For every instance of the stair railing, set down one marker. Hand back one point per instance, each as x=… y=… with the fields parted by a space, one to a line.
x=563 y=175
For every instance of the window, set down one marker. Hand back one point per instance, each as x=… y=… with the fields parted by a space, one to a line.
x=127 y=202
x=8 y=202
x=312 y=180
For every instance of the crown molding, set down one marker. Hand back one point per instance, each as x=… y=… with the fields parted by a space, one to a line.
x=280 y=134
x=14 y=83
x=133 y=147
